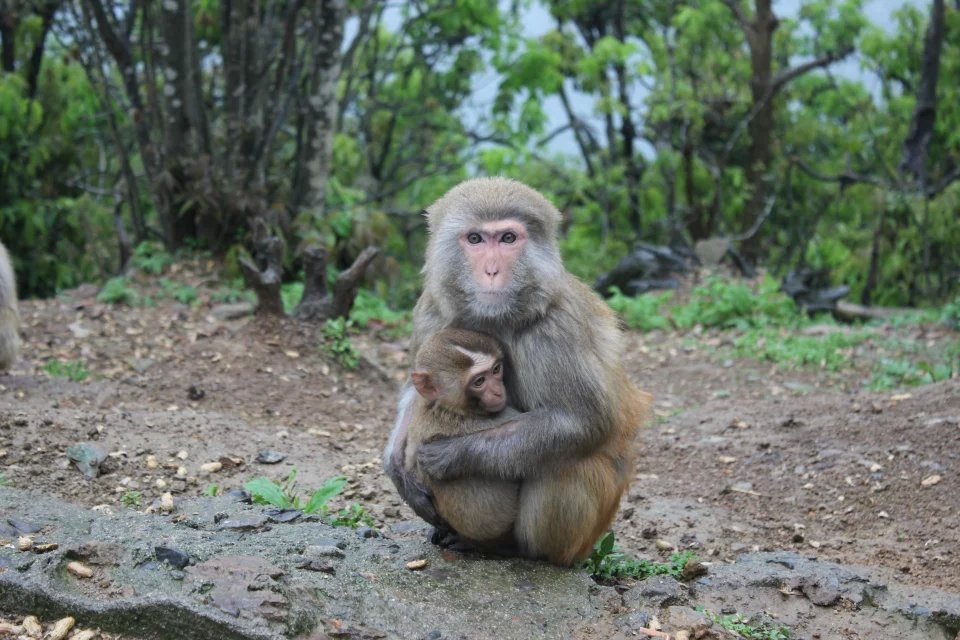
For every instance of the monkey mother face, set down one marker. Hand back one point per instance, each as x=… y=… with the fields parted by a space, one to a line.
x=492 y=250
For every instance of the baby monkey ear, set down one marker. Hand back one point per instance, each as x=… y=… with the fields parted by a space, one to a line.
x=424 y=384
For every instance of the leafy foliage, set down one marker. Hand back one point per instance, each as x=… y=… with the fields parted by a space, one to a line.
x=151 y=257
x=284 y=496
x=746 y=628
x=74 y=370
x=336 y=343
x=607 y=562
x=118 y=291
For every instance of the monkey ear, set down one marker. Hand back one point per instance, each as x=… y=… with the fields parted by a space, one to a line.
x=424 y=384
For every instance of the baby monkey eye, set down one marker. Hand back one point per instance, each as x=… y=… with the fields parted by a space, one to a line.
x=478 y=382
x=509 y=237
x=497 y=367
x=474 y=238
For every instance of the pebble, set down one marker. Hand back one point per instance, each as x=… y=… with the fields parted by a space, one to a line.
x=24 y=543
x=269 y=456
x=663 y=545
x=929 y=481
x=182 y=455
x=160 y=483
x=10 y=629
x=85 y=634
x=32 y=626
x=61 y=628
x=211 y=467
x=181 y=472
x=416 y=565
x=166 y=502
x=44 y=548
x=152 y=462
x=79 y=569
x=174 y=557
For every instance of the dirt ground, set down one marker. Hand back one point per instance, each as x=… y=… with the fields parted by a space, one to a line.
x=742 y=456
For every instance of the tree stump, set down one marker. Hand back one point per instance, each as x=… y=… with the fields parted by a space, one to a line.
x=317 y=302
x=264 y=276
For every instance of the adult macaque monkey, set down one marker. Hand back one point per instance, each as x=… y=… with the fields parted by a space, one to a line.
x=9 y=315
x=493 y=265
x=459 y=376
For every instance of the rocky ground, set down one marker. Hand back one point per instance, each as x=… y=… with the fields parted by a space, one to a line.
x=744 y=456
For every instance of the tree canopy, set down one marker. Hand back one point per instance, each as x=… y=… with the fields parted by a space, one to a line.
x=823 y=139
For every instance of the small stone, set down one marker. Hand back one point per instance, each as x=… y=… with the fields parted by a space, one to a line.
x=32 y=626
x=46 y=547
x=10 y=629
x=160 y=483
x=174 y=557
x=61 y=628
x=152 y=462
x=211 y=467
x=883 y=514
x=79 y=569
x=269 y=456
x=663 y=545
x=323 y=551
x=24 y=543
x=726 y=459
x=181 y=472
x=182 y=454
x=166 y=502
x=85 y=634
x=929 y=481
x=416 y=565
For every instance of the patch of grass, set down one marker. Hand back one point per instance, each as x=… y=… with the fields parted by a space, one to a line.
x=4 y=482
x=832 y=351
x=131 y=499
x=731 y=304
x=745 y=627
x=336 y=343
x=369 y=307
x=608 y=562
x=179 y=291
x=641 y=312
x=212 y=490
x=151 y=257
x=891 y=373
x=73 y=369
x=118 y=291
x=950 y=314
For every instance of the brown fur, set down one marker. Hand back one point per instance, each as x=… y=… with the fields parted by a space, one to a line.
x=480 y=510
x=571 y=449
x=9 y=314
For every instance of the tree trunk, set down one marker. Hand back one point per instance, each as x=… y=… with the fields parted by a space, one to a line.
x=925 y=112
x=760 y=39
x=318 y=111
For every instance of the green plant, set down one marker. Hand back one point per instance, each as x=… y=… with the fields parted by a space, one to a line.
x=131 y=499
x=745 y=627
x=353 y=516
x=950 y=314
x=369 y=307
x=290 y=294
x=212 y=490
x=151 y=257
x=179 y=291
x=4 y=482
x=117 y=291
x=337 y=343
x=891 y=373
x=724 y=303
x=831 y=352
x=284 y=495
x=642 y=312
x=608 y=562
x=73 y=369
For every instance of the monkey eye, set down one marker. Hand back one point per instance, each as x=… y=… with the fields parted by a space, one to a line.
x=474 y=238
x=478 y=382
x=509 y=237
x=497 y=367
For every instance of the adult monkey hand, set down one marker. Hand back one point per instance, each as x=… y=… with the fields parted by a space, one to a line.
x=493 y=265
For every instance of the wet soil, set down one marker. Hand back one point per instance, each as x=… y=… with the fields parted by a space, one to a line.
x=743 y=455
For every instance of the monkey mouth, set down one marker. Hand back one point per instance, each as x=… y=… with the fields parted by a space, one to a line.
x=500 y=406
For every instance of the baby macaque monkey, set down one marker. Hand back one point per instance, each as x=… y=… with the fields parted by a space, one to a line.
x=459 y=376
x=9 y=315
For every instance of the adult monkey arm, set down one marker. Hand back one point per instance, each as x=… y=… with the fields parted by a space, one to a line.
x=568 y=364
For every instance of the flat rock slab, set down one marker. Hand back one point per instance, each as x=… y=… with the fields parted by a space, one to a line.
x=186 y=575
